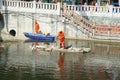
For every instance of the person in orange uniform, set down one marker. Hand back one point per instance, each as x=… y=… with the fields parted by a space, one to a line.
x=61 y=37
x=36 y=27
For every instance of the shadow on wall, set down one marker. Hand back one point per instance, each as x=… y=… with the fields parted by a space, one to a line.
x=1 y=26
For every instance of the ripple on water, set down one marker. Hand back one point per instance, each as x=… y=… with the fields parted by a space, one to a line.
x=18 y=62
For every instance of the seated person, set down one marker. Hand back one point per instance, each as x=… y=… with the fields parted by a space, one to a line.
x=47 y=34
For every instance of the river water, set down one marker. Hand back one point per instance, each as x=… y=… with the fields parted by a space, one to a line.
x=19 y=62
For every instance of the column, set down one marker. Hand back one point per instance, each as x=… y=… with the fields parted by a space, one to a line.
x=1 y=4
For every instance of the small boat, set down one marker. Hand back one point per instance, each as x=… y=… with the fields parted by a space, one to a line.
x=57 y=49
x=40 y=37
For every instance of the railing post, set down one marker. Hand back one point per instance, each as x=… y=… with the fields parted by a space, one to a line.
x=17 y=6
x=63 y=9
x=64 y=6
x=111 y=10
x=59 y=8
x=34 y=6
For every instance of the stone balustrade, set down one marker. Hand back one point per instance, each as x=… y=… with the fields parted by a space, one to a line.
x=102 y=11
x=31 y=7
x=54 y=8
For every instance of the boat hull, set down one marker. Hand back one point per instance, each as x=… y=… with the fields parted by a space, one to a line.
x=40 y=37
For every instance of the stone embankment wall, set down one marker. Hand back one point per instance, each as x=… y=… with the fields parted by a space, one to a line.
x=15 y=24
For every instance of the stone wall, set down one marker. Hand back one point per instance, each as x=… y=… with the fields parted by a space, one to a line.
x=105 y=20
x=15 y=24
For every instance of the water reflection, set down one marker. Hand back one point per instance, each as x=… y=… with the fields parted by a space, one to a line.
x=61 y=65
x=19 y=62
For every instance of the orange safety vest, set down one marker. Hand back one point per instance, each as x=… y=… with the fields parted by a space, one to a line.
x=61 y=37
x=36 y=27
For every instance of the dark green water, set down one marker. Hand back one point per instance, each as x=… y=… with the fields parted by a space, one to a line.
x=19 y=62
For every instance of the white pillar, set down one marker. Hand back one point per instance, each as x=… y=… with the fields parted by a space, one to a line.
x=58 y=8
x=1 y=4
x=34 y=6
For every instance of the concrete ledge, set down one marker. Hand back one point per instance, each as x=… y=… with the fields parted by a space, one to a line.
x=98 y=40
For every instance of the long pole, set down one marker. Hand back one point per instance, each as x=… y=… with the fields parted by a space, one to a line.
x=34 y=7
